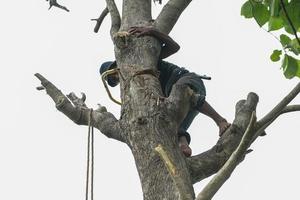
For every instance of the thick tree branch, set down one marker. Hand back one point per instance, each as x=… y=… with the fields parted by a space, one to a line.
x=55 y=4
x=208 y=163
x=100 y=19
x=78 y=112
x=115 y=17
x=224 y=173
x=170 y=14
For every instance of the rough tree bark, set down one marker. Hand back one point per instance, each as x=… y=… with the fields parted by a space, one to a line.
x=149 y=122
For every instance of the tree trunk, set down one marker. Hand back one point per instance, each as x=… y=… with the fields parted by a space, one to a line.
x=146 y=121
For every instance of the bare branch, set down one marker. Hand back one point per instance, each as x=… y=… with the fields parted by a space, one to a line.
x=170 y=14
x=291 y=108
x=224 y=173
x=100 y=19
x=276 y=111
x=280 y=109
x=115 y=17
x=55 y=4
x=78 y=112
x=261 y=128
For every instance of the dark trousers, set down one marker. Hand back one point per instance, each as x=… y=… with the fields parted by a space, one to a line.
x=196 y=84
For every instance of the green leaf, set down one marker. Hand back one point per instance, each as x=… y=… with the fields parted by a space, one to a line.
x=260 y=13
x=275 y=23
x=267 y=2
x=246 y=10
x=290 y=67
x=275 y=5
x=294 y=46
x=284 y=61
x=276 y=55
x=293 y=11
x=288 y=28
x=285 y=40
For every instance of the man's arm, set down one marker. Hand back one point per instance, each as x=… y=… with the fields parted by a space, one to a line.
x=169 y=46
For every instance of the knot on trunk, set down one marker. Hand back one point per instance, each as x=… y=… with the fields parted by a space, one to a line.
x=121 y=39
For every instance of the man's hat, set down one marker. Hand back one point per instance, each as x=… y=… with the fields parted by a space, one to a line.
x=108 y=66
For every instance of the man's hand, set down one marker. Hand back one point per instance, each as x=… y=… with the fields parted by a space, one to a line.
x=169 y=46
x=142 y=31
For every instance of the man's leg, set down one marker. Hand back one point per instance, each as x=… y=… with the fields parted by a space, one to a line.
x=209 y=111
x=196 y=84
x=184 y=138
x=184 y=146
x=205 y=108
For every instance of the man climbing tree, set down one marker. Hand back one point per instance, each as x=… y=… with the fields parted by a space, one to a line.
x=170 y=74
x=151 y=115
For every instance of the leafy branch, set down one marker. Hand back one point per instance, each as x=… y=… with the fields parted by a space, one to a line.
x=279 y=14
x=290 y=21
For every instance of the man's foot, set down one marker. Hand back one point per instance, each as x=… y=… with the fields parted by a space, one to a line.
x=223 y=126
x=185 y=149
x=184 y=146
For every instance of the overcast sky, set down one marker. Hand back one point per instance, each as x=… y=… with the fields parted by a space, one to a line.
x=43 y=153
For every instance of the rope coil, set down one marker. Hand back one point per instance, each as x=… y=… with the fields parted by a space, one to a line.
x=104 y=75
x=117 y=70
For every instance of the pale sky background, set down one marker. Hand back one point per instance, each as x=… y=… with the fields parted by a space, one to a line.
x=43 y=153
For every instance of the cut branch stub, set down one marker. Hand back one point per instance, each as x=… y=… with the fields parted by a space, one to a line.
x=173 y=172
x=78 y=102
x=121 y=39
